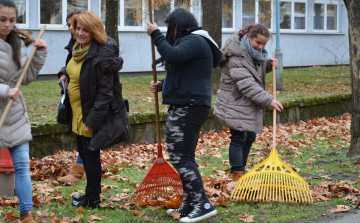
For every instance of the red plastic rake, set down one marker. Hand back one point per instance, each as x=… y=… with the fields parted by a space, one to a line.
x=161 y=176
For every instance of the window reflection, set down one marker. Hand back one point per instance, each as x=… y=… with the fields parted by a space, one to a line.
x=51 y=11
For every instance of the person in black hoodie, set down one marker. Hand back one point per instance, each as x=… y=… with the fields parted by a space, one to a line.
x=98 y=113
x=189 y=55
x=77 y=171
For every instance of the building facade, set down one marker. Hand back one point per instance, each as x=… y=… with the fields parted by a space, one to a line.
x=313 y=32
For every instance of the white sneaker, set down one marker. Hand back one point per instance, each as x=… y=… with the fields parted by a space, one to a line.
x=202 y=210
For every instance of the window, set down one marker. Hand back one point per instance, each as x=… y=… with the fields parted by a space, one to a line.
x=77 y=5
x=285 y=15
x=257 y=11
x=325 y=15
x=163 y=9
x=53 y=12
x=265 y=12
x=131 y=8
x=129 y=14
x=293 y=15
x=22 y=8
x=248 y=12
x=227 y=14
x=161 y=12
x=299 y=15
x=331 y=17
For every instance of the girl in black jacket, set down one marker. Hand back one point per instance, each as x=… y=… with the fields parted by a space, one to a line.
x=189 y=54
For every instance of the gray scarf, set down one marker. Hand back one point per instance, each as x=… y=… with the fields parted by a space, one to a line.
x=258 y=57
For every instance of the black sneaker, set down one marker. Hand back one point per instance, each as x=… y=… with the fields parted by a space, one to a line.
x=86 y=203
x=184 y=209
x=202 y=210
x=77 y=197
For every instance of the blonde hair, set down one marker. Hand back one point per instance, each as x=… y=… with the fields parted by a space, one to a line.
x=92 y=24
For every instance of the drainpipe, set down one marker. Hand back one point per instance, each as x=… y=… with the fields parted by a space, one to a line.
x=278 y=53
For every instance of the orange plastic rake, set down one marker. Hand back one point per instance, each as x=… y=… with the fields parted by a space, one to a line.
x=161 y=175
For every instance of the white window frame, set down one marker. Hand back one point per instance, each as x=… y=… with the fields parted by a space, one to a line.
x=64 y=13
x=292 y=27
x=232 y=29
x=26 y=25
x=172 y=8
x=272 y=21
x=325 y=3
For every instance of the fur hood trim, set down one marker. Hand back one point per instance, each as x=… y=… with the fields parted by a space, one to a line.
x=26 y=36
x=111 y=64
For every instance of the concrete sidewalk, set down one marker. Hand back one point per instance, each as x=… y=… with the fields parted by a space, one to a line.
x=350 y=218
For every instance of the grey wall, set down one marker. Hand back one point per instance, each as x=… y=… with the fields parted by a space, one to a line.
x=305 y=49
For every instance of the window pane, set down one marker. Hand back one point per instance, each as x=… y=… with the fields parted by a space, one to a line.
x=51 y=11
x=285 y=15
x=331 y=17
x=21 y=7
x=161 y=11
x=77 y=5
x=318 y=16
x=103 y=11
x=227 y=14
x=248 y=12
x=265 y=12
x=299 y=17
x=185 y=4
x=132 y=12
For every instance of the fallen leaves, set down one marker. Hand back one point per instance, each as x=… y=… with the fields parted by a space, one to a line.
x=340 y=208
x=218 y=184
x=246 y=218
x=175 y=214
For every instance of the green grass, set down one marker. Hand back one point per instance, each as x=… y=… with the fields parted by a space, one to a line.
x=42 y=97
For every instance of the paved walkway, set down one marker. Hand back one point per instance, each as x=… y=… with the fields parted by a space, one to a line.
x=350 y=218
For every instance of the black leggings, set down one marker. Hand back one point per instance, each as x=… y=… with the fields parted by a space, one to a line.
x=183 y=126
x=92 y=165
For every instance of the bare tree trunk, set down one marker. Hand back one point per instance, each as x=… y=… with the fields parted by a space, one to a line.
x=111 y=19
x=353 y=7
x=212 y=16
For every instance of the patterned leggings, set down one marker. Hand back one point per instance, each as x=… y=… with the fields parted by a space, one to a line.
x=183 y=126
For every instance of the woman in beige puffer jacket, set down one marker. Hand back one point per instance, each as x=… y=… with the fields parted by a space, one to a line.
x=242 y=98
x=15 y=133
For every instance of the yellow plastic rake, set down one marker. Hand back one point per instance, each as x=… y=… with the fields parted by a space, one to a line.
x=272 y=180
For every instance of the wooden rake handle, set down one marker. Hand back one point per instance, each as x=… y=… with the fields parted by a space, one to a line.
x=274 y=110
x=21 y=78
x=155 y=79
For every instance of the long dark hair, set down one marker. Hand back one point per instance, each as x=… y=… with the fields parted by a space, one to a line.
x=254 y=31
x=70 y=14
x=13 y=38
x=178 y=20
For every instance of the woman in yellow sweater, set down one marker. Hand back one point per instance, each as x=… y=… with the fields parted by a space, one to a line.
x=99 y=118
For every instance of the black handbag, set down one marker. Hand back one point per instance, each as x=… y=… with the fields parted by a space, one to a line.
x=62 y=116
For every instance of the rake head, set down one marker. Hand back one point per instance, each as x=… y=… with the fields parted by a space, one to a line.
x=272 y=181
x=161 y=181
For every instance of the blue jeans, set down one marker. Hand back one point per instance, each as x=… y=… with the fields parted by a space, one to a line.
x=79 y=160
x=239 y=149
x=20 y=157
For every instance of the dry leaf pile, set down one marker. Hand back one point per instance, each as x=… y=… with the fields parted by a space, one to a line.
x=218 y=185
